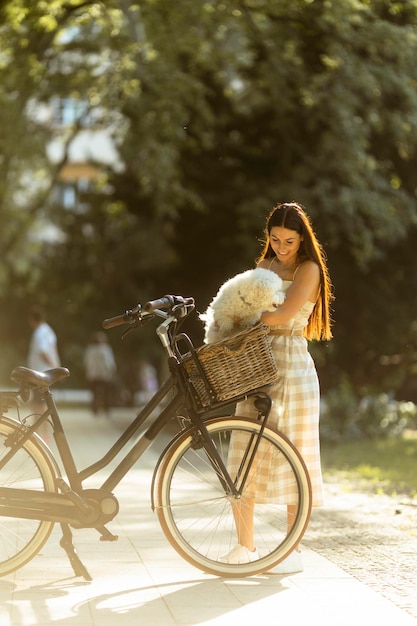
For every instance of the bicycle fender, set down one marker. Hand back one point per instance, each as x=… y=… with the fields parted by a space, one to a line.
x=40 y=443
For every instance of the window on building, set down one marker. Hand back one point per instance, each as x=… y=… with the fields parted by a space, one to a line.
x=69 y=194
x=69 y=111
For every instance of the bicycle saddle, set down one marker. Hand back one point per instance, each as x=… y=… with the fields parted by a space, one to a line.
x=33 y=378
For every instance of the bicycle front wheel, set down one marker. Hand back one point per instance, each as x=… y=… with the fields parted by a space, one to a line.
x=30 y=468
x=199 y=515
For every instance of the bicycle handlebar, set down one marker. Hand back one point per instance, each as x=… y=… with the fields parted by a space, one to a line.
x=169 y=302
x=111 y=322
x=176 y=305
x=128 y=317
x=161 y=303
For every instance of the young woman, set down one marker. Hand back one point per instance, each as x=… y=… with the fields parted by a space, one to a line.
x=293 y=252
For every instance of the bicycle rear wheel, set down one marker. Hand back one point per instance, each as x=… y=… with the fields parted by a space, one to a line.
x=30 y=468
x=197 y=514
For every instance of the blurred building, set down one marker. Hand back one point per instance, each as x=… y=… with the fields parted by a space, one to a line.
x=80 y=142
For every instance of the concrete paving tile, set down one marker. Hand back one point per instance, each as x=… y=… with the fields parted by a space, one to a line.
x=351 y=602
x=175 y=575
x=282 y=608
x=136 y=615
x=254 y=589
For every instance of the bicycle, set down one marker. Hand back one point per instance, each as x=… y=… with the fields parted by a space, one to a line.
x=193 y=490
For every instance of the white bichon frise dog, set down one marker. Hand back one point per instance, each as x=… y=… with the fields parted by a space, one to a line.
x=240 y=302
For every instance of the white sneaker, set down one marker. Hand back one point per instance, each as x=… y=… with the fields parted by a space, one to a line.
x=239 y=554
x=292 y=564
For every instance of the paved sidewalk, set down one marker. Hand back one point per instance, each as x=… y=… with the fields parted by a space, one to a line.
x=141 y=579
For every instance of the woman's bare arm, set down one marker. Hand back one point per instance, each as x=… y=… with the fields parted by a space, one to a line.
x=305 y=287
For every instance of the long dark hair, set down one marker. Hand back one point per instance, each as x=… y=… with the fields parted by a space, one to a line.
x=292 y=216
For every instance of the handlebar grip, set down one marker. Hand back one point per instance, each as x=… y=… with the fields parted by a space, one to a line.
x=160 y=303
x=111 y=322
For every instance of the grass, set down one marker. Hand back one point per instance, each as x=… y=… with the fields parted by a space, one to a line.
x=382 y=465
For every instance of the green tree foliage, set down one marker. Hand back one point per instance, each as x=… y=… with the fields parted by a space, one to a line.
x=218 y=111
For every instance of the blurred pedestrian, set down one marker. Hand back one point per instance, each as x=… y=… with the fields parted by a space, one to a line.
x=43 y=350
x=43 y=355
x=100 y=370
x=148 y=380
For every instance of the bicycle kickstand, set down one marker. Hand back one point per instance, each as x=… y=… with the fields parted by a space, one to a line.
x=76 y=563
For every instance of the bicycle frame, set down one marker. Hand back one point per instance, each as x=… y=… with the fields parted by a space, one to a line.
x=70 y=506
x=17 y=500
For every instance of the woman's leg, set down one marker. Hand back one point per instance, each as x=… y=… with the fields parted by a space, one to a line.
x=291 y=515
x=243 y=512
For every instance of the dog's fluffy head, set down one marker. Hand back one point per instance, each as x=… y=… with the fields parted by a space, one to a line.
x=240 y=302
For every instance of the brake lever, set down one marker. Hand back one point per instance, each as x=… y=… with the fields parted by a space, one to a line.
x=139 y=321
x=129 y=329
x=182 y=309
x=179 y=311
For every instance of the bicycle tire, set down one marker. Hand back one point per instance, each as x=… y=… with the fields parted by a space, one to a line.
x=195 y=512
x=31 y=468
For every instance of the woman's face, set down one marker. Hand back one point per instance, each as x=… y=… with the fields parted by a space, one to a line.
x=285 y=243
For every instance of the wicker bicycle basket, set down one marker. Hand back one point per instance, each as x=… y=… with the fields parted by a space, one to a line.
x=232 y=366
